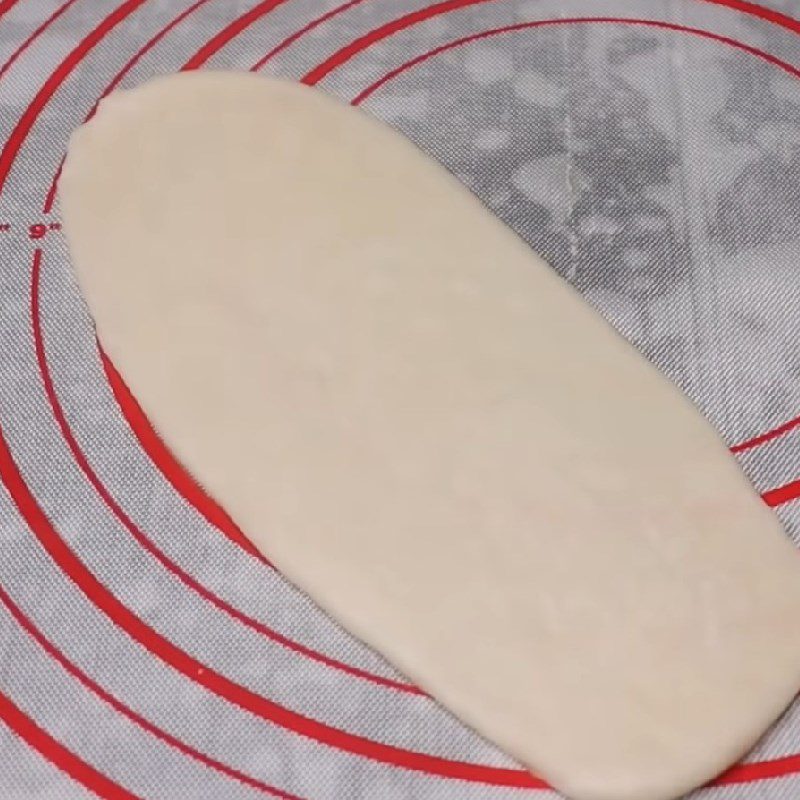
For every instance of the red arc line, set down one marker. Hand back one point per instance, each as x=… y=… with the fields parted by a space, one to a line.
x=773 y=497
x=152 y=444
x=767 y=436
x=213 y=681
x=174 y=473
x=760 y=771
x=25 y=123
x=302 y=32
x=761 y=12
x=783 y=494
x=168 y=465
x=6 y=6
x=76 y=672
x=340 y=57
x=170 y=654
x=749 y=8
x=34 y=36
x=55 y=752
x=649 y=23
x=146 y=543
x=215 y=44
x=344 y=54
x=161 y=458
x=127 y=67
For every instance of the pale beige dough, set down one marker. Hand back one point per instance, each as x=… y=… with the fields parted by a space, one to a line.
x=430 y=433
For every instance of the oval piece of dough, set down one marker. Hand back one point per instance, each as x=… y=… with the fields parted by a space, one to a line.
x=431 y=434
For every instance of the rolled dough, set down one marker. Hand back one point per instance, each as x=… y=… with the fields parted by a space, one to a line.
x=430 y=433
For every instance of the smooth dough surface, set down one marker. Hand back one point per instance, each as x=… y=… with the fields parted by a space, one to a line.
x=430 y=433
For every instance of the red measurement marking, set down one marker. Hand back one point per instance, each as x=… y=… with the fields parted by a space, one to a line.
x=57 y=655
x=226 y=34
x=34 y=36
x=142 y=538
x=783 y=494
x=55 y=752
x=5 y=227
x=767 y=436
x=215 y=682
x=40 y=229
x=15 y=140
x=158 y=452
x=302 y=32
x=315 y=76
x=129 y=65
x=7 y=6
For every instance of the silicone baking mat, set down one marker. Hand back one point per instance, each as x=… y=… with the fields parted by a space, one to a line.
x=649 y=149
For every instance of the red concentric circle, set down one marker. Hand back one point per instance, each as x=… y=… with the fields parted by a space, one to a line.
x=54 y=543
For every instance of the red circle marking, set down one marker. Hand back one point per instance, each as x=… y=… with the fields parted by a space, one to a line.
x=27 y=503
x=148 y=544
x=142 y=722
x=773 y=497
x=767 y=436
x=168 y=465
x=740 y=773
x=127 y=67
x=344 y=54
x=549 y=23
x=203 y=675
x=34 y=36
x=20 y=132
x=302 y=32
x=40 y=740
x=212 y=46
x=219 y=41
x=158 y=453
x=174 y=473
x=6 y=6
x=7 y=157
